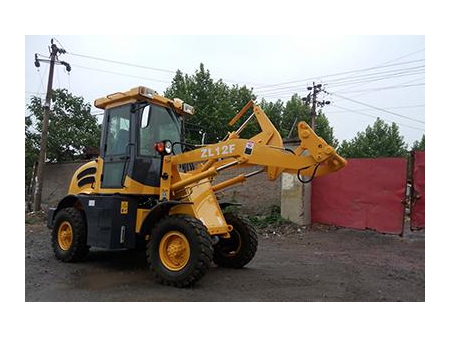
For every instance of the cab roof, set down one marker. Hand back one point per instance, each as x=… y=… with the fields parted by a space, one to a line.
x=142 y=93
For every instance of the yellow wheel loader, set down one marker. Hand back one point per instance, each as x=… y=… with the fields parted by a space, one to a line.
x=148 y=187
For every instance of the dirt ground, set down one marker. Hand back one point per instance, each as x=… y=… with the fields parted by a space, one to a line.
x=293 y=264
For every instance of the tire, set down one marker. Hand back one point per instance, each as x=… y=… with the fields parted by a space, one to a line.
x=238 y=250
x=69 y=236
x=179 y=251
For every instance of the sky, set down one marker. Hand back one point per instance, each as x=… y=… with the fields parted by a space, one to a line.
x=364 y=76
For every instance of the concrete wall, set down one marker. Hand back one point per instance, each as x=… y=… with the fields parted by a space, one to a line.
x=295 y=199
x=257 y=194
x=56 y=181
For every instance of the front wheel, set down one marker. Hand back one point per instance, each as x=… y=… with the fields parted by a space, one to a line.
x=69 y=236
x=179 y=251
x=238 y=250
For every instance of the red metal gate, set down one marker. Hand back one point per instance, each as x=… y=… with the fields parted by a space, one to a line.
x=367 y=193
x=418 y=198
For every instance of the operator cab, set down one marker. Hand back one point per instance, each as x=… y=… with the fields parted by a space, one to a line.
x=131 y=128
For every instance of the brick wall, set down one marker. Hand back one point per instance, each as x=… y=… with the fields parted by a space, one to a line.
x=257 y=194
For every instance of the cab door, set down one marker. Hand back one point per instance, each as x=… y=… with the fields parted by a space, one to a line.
x=116 y=146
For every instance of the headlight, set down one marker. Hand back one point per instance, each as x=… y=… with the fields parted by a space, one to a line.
x=188 y=109
x=164 y=148
x=147 y=92
x=168 y=147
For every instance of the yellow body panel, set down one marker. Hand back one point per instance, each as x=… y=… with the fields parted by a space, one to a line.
x=204 y=207
x=140 y=217
x=131 y=187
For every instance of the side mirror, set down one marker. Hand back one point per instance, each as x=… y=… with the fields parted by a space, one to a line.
x=145 y=117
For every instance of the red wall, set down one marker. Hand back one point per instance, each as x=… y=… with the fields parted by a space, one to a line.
x=367 y=193
x=418 y=207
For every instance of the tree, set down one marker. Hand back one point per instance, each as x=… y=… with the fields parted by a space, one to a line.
x=216 y=104
x=72 y=129
x=419 y=145
x=379 y=140
x=214 y=101
x=297 y=111
x=274 y=111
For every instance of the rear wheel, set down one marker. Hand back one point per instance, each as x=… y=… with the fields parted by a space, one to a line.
x=179 y=251
x=69 y=236
x=238 y=250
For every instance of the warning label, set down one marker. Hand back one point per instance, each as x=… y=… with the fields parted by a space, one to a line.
x=249 y=147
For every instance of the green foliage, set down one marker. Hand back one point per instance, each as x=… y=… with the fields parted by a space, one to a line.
x=274 y=111
x=296 y=110
x=274 y=218
x=72 y=129
x=419 y=145
x=379 y=140
x=215 y=104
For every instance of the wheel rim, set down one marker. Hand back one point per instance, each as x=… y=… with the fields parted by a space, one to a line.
x=65 y=236
x=174 y=250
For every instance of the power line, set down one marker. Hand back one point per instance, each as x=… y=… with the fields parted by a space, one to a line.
x=404 y=56
x=376 y=108
x=399 y=84
x=376 y=117
x=124 y=63
x=384 y=88
x=35 y=93
x=341 y=73
x=148 y=68
x=359 y=78
x=396 y=59
x=122 y=74
x=294 y=89
x=377 y=76
x=369 y=109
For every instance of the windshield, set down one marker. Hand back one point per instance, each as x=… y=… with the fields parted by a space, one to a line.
x=158 y=124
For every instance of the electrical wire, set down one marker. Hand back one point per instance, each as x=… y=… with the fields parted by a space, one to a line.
x=384 y=88
x=151 y=68
x=369 y=109
x=292 y=91
x=380 y=109
x=121 y=74
x=340 y=73
x=124 y=63
x=404 y=56
x=364 y=78
x=376 y=117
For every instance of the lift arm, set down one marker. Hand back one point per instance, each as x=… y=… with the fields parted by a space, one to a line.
x=313 y=157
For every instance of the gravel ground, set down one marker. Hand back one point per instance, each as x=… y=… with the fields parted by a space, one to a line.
x=293 y=264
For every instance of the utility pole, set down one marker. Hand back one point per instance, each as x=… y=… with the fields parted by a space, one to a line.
x=312 y=98
x=54 y=51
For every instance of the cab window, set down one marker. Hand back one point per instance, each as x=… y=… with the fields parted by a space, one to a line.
x=118 y=133
x=158 y=124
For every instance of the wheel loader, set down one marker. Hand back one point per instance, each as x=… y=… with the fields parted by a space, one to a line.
x=150 y=189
